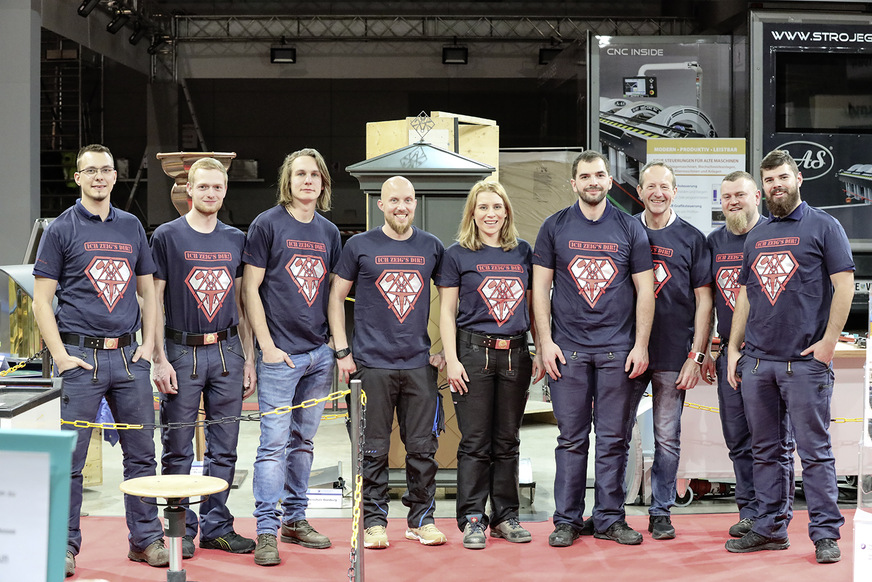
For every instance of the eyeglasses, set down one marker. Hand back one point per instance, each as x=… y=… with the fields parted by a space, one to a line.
x=91 y=172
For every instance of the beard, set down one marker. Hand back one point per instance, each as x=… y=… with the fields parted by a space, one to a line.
x=783 y=206
x=206 y=209
x=737 y=222
x=591 y=196
x=396 y=226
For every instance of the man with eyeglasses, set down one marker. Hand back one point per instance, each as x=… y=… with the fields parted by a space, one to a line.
x=93 y=257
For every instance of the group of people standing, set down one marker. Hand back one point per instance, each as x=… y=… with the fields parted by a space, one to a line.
x=222 y=313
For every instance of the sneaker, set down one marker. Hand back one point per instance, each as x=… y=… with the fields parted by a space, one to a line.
x=660 y=527
x=512 y=531
x=428 y=534
x=375 y=537
x=300 y=532
x=587 y=528
x=826 y=551
x=266 y=552
x=70 y=565
x=562 y=536
x=473 y=534
x=741 y=527
x=155 y=554
x=620 y=532
x=230 y=542
x=188 y=547
x=754 y=542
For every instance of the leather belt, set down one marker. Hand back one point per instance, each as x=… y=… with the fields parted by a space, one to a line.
x=494 y=343
x=200 y=339
x=99 y=343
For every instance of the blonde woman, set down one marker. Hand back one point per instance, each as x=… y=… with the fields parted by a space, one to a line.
x=484 y=283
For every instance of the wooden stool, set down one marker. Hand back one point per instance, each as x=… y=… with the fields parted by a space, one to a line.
x=173 y=488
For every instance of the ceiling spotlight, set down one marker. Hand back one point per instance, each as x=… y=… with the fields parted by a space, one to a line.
x=118 y=21
x=139 y=32
x=548 y=54
x=455 y=55
x=283 y=54
x=87 y=7
x=157 y=41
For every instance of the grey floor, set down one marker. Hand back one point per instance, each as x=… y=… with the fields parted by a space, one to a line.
x=332 y=448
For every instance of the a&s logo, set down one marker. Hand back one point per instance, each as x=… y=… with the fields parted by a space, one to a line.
x=813 y=160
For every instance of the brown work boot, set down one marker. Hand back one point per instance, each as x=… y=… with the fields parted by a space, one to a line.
x=300 y=532
x=266 y=553
x=155 y=555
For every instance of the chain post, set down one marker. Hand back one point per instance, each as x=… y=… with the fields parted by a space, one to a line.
x=357 y=416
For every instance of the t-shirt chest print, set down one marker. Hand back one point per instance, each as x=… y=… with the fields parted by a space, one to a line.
x=662 y=274
x=774 y=269
x=501 y=293
x=400 y=287
x=307 y=271
x=727 y=278
x=209 y=285
x=110 y=276
x=592 y=275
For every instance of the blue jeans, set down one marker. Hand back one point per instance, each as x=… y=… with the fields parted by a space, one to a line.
x=127 y=388
x=594 y=389
x=803 y=390
x=284 y=456
x=737 y=437
x=668 y=404
x=222 y=397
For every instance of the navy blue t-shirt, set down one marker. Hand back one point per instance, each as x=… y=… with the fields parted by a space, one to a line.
x=392 y=300
x=297 y=258
x=201 y=271
x=493 y=284
x=593 y=303
x=95 y=264
x=786 y=271
x=681 y=264
x=726 y=251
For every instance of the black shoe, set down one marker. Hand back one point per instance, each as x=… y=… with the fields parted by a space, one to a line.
x=188 y=547
x=587 y=528
x=660 y=527
x=70 y=565
x=620 y=532
x=230 y=542
x=300 y=532
x=741 y=527
x=562 y=536
x=754 y=542
x=826 y=551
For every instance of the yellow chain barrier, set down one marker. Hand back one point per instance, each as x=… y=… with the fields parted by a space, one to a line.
x=716 y=410
x=355 y=514
x=17 y=366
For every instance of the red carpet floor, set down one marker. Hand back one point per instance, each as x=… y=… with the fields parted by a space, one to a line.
x=697 y=554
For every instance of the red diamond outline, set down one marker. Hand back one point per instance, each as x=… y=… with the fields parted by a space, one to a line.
x=516 y=300
x=782 y=284
x=201 y=304
x=300 y=288
x=101 y=293
x=731 y=302
x=602 y=290
x=658 y=285
x=391 y=304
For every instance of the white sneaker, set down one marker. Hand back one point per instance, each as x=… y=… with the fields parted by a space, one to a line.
x=375 y=537
x=428 y=534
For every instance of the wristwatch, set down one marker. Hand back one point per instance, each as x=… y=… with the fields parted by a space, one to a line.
x=342 y=353
x=697 y=357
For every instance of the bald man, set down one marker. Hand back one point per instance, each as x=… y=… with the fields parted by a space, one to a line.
x=390 y=353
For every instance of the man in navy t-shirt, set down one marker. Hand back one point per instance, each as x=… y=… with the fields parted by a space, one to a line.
x=96 y=259
x=393 y=265
x=740 y=198
x=289 y=253
x=796 y=287
x=197 y=284
x=680 y=333
x=593 y=330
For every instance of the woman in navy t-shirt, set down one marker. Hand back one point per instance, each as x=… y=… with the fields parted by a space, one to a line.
x=484 y=283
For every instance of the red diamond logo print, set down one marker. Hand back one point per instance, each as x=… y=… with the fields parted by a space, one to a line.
x=210 y=287
x=501 y=295
x=110 y=277
x=728 y=284
x=401 y=290
x=593 y=275
x=661 y=275
x=307 y=272
x=774 y=270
